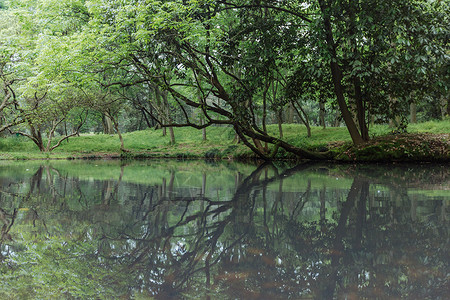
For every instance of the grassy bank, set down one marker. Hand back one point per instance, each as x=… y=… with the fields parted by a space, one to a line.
x=425 y=141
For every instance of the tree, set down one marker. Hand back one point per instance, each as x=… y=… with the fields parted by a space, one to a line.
x=236 y=62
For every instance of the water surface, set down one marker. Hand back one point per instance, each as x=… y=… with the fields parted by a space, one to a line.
x=197 y=230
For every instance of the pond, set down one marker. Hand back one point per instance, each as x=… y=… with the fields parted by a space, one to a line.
x=224 y=230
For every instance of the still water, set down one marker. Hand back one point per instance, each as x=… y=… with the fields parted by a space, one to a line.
x=198 y=230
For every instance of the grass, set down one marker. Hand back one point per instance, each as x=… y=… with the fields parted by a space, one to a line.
x=189 y=143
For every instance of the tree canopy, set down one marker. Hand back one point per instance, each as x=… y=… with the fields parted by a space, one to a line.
x=233 y=63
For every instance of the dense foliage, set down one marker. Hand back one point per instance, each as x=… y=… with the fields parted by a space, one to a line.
x=68 y=66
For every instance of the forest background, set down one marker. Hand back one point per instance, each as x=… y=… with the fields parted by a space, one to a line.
x=270 y=79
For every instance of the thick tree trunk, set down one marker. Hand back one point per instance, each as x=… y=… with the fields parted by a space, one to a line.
x=361 y=111
x=107 y=125
x=337 y=77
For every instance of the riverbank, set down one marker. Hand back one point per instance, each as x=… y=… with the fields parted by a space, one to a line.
x=428 y=141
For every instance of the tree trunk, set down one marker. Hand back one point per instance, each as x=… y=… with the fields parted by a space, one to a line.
x=167 y=116
x=413 y=112
x=116 y=126
x=304 y=118
x=448 y=106
x=445 y=107
x=264 y=114
x=280 y=122
x=337 y=119
x=337 y=76
x=322 y=114
x=290 y=113
x=107 y=125
x=202 y=122
x=394 y=121
x=360 y=109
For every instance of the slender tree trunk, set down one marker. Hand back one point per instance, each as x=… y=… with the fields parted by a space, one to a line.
x=280 y=122
x=322 y=212
x=448 y=106
x=290 y=113
x=361 y=111
x=337 y=121
x=359 y=101
x=394 y=121
x=264 y=114
x=147 y=121
x=202 y=122
x=168 y=117
x=322 y=114
x=303 y=117
x=445 y=106
x=116 y=127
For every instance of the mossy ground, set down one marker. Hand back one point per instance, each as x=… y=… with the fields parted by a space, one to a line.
x=400 y=147
x=425 y=142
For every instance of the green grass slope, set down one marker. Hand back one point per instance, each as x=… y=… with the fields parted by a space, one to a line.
x=220 y=144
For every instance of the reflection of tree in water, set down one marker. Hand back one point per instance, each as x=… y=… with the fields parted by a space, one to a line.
x=264 y=241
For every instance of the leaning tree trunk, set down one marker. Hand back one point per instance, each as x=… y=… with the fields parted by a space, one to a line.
x=336 y=74
x=116 y=127
x=303 y=117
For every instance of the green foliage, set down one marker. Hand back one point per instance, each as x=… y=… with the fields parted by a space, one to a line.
x=238 y=63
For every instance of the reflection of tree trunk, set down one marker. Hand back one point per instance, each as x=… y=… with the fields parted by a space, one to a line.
x=163 y=188
x=322 y=207
x=264 y=198
x=110 y=189
x=361 y=217
x=443 y=215
x=237 y=180
x=413 y=209
x=330 y=279
x=8 y=222
x=36 y=180
x=204 y=184
x=170 y=187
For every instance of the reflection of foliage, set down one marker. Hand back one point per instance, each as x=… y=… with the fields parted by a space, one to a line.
x=276 y=233
x=57 y=268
